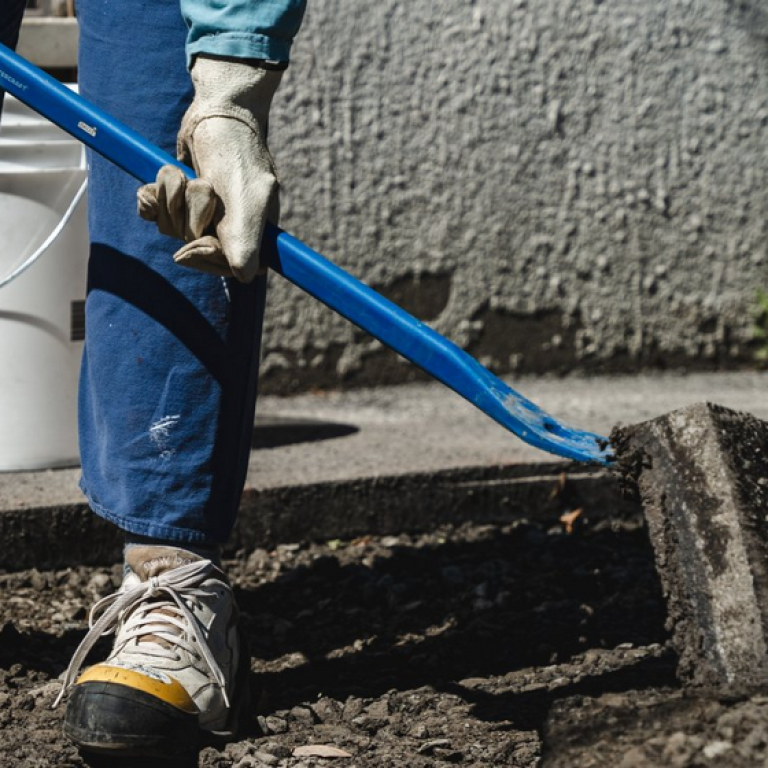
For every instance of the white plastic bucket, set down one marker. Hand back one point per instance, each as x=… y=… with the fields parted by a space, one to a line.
x=41 y=310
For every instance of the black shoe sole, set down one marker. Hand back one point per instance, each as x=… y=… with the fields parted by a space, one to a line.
x=107 y=718
x=115 y=719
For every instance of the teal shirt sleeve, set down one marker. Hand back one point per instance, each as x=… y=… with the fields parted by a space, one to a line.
x=244 y=29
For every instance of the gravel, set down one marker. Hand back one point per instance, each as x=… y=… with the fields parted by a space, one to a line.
x=517 y=645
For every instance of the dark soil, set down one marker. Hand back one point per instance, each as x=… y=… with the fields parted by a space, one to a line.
x=521 y=645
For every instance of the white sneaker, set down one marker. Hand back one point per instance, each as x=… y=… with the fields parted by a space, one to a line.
x=176 y=667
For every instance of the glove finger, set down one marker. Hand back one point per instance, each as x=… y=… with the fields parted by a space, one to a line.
x=171 y=213
x=205 y=255
x=247 y=189
x=242 y=233
x=147 y=203
x=201 y=205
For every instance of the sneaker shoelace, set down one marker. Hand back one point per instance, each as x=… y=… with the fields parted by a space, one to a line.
x=167 y=621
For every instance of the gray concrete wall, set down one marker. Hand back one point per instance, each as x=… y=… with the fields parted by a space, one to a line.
x=554 y=184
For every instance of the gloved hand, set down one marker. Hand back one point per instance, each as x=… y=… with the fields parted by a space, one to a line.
x=222 y=137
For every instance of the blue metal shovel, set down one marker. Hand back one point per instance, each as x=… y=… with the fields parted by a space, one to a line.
x=314 y=274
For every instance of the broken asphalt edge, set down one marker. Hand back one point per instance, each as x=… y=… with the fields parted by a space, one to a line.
x=702 y=473
x=69 y=534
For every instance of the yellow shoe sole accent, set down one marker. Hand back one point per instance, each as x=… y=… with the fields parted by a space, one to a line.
x=172 y=692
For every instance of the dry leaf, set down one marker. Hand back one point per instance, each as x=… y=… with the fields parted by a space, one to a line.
x=569 y=518
x=319 y=750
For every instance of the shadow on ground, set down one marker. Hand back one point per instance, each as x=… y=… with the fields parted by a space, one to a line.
x=276 y=431
x=431 y=614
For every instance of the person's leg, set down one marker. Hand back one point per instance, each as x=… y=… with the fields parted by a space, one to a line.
x=11 y=13
x=10 y=21
x=167 y=396
x=169 y=372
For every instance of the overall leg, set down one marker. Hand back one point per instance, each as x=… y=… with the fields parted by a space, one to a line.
x=167 y=397
x=169 y=372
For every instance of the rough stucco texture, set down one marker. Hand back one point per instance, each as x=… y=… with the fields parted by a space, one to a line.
x=553 y=184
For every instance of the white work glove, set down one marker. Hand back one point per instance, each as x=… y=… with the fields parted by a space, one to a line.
x=222 y=137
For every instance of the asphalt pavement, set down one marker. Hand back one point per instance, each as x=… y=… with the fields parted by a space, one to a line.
x=325 y=443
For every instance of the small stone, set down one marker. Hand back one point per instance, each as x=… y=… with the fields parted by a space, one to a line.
x=369 y=723
x=303 y=715
x=717 y=749
x=259 y=560
x=431 y=746
x=633 y=758
x=265 y=758
x=275 y=724
x=37 y=580
x=279 y=751
x=249 y=761
x=379 y=708
x=328 y=710
x=100 y=581
x=352 y=709
x=238 y=751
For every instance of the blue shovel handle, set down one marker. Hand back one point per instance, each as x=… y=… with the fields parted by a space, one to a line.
x=314 y=274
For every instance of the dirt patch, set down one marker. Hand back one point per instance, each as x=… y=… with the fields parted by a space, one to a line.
x=516 y=645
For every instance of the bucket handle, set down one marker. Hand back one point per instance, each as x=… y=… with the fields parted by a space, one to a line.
x=50 y=240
